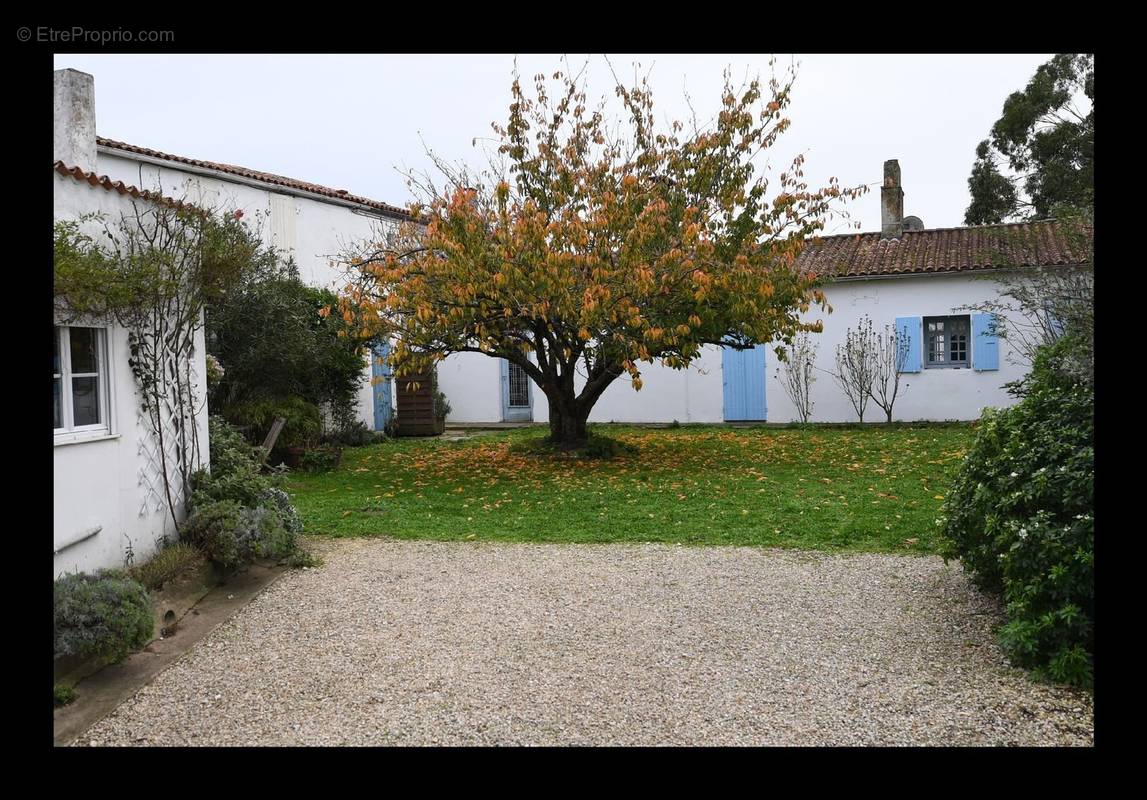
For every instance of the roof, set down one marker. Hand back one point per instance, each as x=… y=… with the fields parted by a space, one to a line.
x=262 y=177
x=940 y=250
x=119 y=187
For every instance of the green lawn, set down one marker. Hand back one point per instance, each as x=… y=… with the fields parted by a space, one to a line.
x=875 y=488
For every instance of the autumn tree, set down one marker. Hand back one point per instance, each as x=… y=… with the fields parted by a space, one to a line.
x=587 y=249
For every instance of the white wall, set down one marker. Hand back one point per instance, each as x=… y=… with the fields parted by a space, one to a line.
x=313 y=232
x=472 y=384
x=101 y=482
x=931 y=394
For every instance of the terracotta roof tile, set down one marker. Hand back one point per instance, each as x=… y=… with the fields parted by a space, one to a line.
x=860 y=255
x=263 y=177
x=103 y=181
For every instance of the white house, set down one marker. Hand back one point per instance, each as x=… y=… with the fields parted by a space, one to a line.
x=106 y=477
x=916 y=280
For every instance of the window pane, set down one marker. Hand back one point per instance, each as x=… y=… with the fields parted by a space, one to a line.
x=85 y=354
x=55 y=351
x=85 y=401
x=57 y=404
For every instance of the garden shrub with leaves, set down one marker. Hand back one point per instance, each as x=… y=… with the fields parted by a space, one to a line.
x=274 y=343
x=106 y=614
x=230 y=535
x=304 y=421
x=235 y=469
x=237 y=515
x=1020 y=518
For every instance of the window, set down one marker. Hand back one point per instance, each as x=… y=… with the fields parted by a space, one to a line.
x=946 y=341
x=80 y=396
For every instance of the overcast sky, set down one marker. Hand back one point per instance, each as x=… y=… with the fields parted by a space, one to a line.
x=349 y=121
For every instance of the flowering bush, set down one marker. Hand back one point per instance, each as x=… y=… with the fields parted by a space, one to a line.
x=1020 y=519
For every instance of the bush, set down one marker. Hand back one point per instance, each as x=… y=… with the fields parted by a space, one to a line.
x=166 y=564
x=1019 y=517
x=230 y=535
x=321 y=459
x=235 y=469
x=304 y=421
x=276 y=341
x=106 y=614
x=442 y=407
x=352 y=434
x=62 y=694
x=280 y=502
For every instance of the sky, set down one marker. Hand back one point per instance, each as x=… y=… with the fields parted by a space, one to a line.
x=355 y=122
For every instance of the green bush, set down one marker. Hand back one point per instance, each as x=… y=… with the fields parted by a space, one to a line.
x=230 y=535
x=1020 y=519
x=280 y=502
x=235 y=469
x=321 y=459
x=106 y=614
x=62 y=694
x=304 y=421
x=353 y=433
x=275 y=341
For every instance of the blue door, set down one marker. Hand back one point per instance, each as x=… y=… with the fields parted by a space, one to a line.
x=744 y=383
x=380 y=378
x=517 y=396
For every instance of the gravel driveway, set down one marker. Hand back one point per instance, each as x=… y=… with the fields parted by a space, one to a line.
x=420 y=643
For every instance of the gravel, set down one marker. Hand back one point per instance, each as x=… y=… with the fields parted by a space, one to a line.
x=432 y=643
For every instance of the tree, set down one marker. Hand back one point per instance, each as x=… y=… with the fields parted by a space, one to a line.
x=856 y=365
x=890 y=354
x=797 y=374
x=1039 y=160
x=586 y=249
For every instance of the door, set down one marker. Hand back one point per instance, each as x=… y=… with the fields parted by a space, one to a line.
x=744 y=383
x=517 y=394
x=380 y=378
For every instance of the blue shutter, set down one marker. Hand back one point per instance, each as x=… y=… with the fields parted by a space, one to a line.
x=909 y=330
x=985 y=347
x=380 y=374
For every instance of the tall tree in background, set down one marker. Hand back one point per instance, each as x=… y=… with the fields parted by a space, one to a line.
x=587 y=248
x=1038 y=161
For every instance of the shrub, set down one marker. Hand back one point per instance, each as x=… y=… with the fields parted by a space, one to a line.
x=63 y=694
x=276 y=341
x=166 y=564
x=442 y=407
x=321 y=459
x=1019 y=517
x=235 y=469
x=230 y=535
x=354 y=433
x=304 y=421
x=106 y=614
x=280 y=501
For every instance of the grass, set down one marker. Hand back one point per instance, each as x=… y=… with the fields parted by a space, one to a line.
x=873 y=488
x=167 y=563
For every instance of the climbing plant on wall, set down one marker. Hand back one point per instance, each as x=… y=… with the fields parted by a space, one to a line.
x=152 y=271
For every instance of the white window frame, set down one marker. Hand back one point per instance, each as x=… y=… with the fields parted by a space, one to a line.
x=103 y=429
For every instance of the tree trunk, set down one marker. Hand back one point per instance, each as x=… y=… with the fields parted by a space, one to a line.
x=567 y=422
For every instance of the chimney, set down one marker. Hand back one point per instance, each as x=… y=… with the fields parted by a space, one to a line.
x=891 y=202
x=74 y=119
